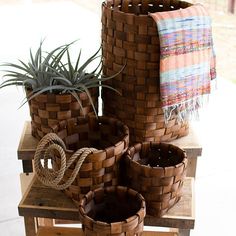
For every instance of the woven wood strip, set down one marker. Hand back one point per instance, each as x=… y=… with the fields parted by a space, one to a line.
x=112 y=211
x=129 y=36
x=160 y=185
x=108 y=135
x=47 y=110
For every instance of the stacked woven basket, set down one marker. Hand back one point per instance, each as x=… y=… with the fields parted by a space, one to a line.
x=130 y=37
x=92 y=175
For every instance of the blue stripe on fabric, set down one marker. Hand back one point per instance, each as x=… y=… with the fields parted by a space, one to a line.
x=202 y=36
x=182 y=73
x=188 y=23
x=201 y=81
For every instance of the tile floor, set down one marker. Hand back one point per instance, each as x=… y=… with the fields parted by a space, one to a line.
x=23 y=24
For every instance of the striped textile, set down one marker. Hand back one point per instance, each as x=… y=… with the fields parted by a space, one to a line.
x=187 y=60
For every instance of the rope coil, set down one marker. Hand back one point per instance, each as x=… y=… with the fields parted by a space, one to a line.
x=51 y=177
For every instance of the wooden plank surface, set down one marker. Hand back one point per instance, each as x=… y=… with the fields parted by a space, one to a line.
x=25 y=180
x=64 y=231
x=42 y=201
x=28 y=144
x=45 y=202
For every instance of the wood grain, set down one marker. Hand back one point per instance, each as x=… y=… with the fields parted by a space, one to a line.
x=42 y=201
x=64 y=231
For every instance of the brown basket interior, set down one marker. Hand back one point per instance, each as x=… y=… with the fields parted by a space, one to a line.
x=98 y=133
x=143 y=7
x=159 y=155
x=112 y=206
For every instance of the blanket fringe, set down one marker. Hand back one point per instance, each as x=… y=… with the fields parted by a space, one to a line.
x=186 y=110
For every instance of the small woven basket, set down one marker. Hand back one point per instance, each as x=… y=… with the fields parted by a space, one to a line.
x=112 y=211
x=47 y=110
x=157 y=171
x=129 y=36
x=101 y=168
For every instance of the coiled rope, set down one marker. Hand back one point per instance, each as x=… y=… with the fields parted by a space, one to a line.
x=50 y=177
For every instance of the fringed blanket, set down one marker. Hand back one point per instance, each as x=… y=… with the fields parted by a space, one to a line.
x=187 y=61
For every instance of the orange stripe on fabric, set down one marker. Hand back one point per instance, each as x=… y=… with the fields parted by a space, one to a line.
x=184 y=60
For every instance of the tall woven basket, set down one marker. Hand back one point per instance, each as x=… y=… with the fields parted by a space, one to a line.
x=100 y=168
x=129 y=36
x=157 y=171
x=47 y=110
x=112 y=211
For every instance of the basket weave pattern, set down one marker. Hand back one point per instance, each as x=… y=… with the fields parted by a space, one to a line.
x=48 y=109
x=124 y=208
x=100 y=169
x=160 y=186
x=129 y=36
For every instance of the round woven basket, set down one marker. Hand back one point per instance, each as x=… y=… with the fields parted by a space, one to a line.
x=112 y=211
x=157 y=171
x=48 y=109
x=101 y=168
x=129 y=36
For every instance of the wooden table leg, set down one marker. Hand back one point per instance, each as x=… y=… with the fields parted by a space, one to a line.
x=184 y=232
x=45 y=222
x=30 y=226
x=192 y=166
x=27 y=166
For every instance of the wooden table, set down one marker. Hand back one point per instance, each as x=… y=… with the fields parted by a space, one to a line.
x=28 y=144
x=42 y=201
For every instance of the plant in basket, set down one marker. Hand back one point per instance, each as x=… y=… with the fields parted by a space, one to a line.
x=56 y=88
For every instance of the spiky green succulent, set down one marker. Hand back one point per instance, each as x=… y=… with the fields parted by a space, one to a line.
x=46 y=72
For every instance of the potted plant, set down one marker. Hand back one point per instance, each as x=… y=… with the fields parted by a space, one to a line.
x=56 y=88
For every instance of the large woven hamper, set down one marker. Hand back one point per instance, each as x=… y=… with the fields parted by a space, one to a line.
x=100 y=168
x=47 y=110
x=157 y=171
x=129 y=36
x=112 y=211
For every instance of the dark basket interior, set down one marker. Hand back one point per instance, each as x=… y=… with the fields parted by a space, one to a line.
x=160 y=155
x=113 y=207
x=98 y=133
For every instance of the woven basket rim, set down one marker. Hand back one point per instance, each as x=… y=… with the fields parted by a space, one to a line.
x=112 y=189
x=157 y=168
x=63 y=124
x=28 y=90
x=118 y=9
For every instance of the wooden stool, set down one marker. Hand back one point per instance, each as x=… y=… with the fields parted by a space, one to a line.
x=62 y=231
x=42 y=201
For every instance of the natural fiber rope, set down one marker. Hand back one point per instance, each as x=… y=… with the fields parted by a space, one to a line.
x=51 y=177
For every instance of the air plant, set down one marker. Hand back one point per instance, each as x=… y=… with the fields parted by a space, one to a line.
x=46 y=72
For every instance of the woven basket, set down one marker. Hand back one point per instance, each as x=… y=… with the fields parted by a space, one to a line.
x=157 y=171
x=112 y=211
x=129 y=36
x=109 y=136
x=48 y=109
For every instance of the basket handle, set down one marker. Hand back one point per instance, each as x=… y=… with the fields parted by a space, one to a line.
x=51 y=177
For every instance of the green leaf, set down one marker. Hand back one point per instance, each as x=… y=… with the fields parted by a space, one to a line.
x=93 y=57
x=67 y=82
x=78 y=60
